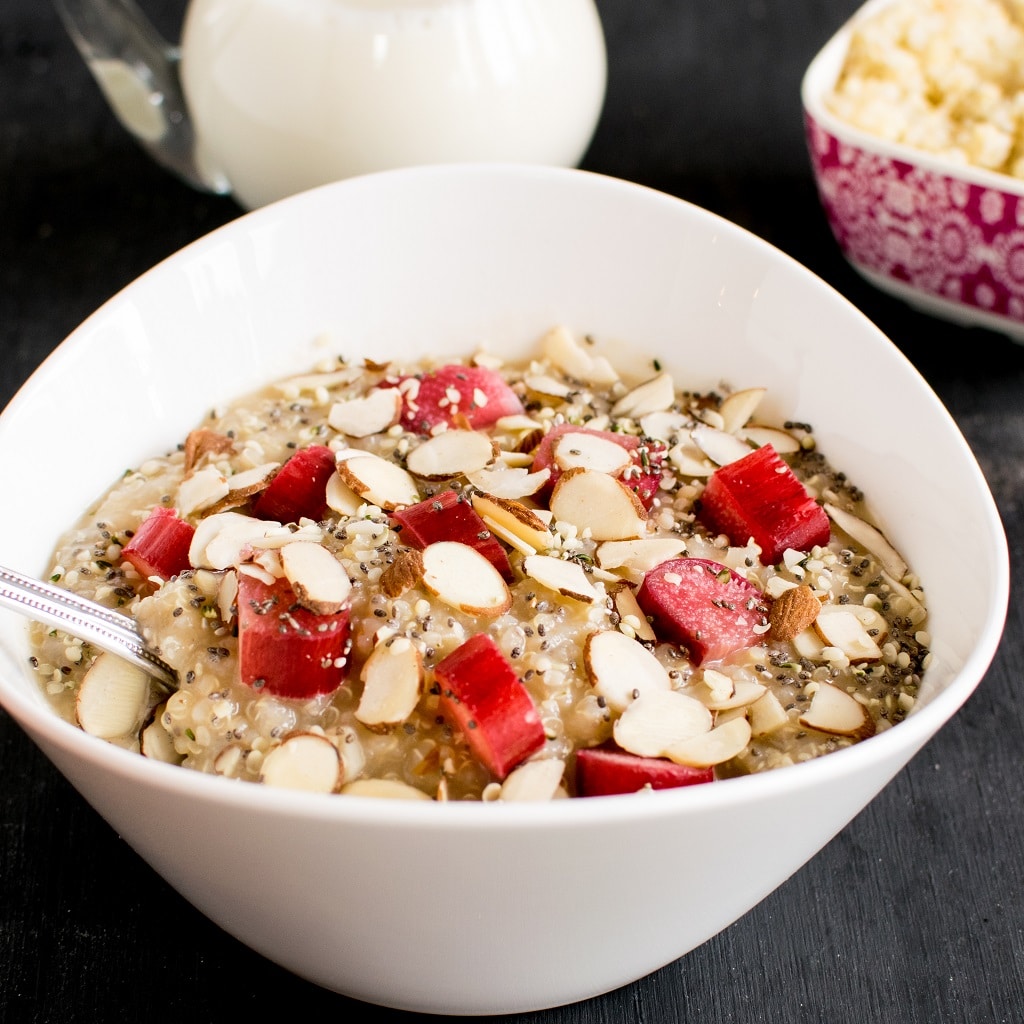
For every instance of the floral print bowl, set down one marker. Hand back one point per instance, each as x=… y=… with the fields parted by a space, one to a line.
x=946 y=238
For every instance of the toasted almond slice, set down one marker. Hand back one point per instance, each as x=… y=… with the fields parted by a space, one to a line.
x=718 y=445
x=507 y=517
x=392 y=683
x=509 y=482
x=722 y=743
x=245 y=485
x=621 y=669
x=383 y=789
x=872 y=620
x=766 y=714
x=202 y=442
x=545 y=384
x=534 y=780
x=834 y=711
x=317 y=577
x=562 y=576
x=562 y=349
x=744 y=693
x=403 y=573
x=451 y=453
x=598 y=503
x=303 y=760
x=781 y=440
x=201 y=490
x=367 y=414
x=464 y=579
x=341 y=498
x=808 y=644
x=589 y=451
x=689 y=460
x=220 y=538
x=654 y=395
x=840 y=627
x=720 y=687
x=737 y=408
x=378 y=481
x=113 y=698
x=630 y=613
x=869 y=537
x=660 y=720
x=639 y=554
x=666 y=426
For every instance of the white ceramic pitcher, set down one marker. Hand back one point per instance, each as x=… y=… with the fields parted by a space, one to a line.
x=264 y=98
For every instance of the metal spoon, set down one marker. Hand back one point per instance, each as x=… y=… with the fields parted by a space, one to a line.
x=109 y=630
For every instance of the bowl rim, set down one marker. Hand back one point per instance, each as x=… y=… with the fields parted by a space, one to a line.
x=893 y=746
x=821 y=75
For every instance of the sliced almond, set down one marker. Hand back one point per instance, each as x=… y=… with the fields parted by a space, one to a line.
x=840 y=627
x=317 y=577
x=545 y=384
x=156 y=742
x=737 y=408
x=599 y=504
x=834 y=711
x=562 y=349
x=403 y=573
x=245 y=485
x=464 y=579
x=383 y=789
x=392 y=683
x=341 y=498
x=654 y=395
x=368 y=414
x=629 y=611
x=509 y=482
x=665 y=426
x=720 y=744
x=577 y=448
x=378 y=481
x=303 y=760
x=871 y=538
x=510 y=518
x=451 y=453
x=113 y=698
x=639 y=554
x=744 y=692
x=658 y=721
x=766 y=714
x=221 y=538
x=781 y=440
x=688 y=460
x=792 y=612
x=202 y=489
x=230 y=762
x=621 y=669
x=312 y=382
x=202 y=442
x=808 y=644
x=533 y=780
x=562 y=576
x=718 y=445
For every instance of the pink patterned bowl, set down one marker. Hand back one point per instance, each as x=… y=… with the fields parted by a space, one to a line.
x=946 y=238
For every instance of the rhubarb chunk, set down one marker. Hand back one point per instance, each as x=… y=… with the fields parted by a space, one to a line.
x=299 y=488
x=449 y=393
x=607 y=770
x=160 y=545
x=703 y=606
x=760 y=497
x=448 y=516
x=484 y=698
x=283 y=648
x=639 y=468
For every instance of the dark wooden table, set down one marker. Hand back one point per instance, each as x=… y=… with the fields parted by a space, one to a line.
x=913 y=914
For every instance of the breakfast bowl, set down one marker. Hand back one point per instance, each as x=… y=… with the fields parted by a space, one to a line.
x=934 y=227
x=478 y=907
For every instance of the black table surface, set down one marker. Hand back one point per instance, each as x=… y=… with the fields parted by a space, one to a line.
x=913 y=914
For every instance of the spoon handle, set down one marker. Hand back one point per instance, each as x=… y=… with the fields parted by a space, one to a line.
x=107 y=629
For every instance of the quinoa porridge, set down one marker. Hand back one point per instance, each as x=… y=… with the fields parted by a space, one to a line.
x=943 y=76
x=478 y=580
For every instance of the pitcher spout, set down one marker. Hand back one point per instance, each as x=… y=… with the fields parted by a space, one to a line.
x=138 y=72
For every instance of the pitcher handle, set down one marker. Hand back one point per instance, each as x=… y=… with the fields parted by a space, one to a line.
x=137 y=71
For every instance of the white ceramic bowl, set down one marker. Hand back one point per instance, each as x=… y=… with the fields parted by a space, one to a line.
x=946 y=238
x=484 y=908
